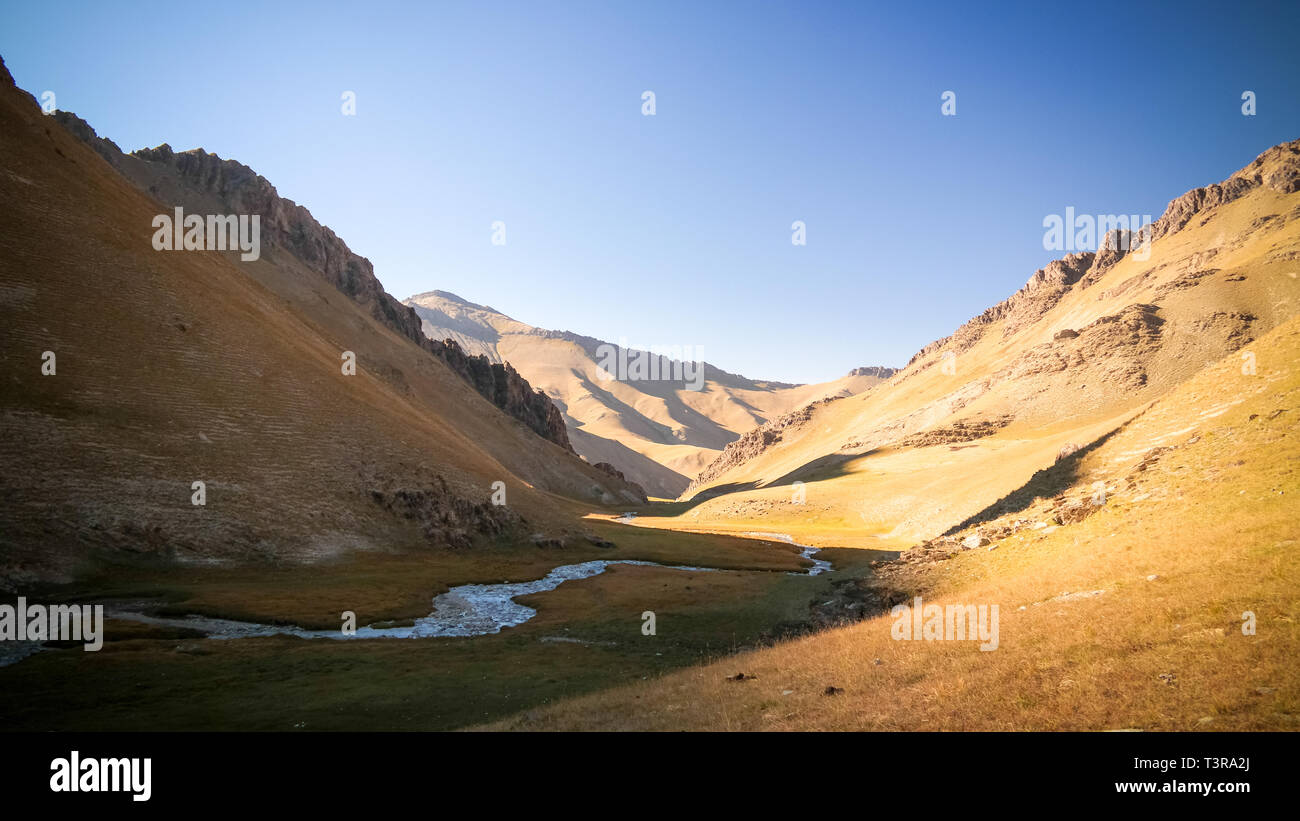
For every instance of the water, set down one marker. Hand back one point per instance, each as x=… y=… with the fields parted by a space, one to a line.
x=819 y=565
x=465 y=610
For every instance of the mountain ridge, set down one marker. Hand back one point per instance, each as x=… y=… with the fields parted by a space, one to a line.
x=1088 y=340
x=659 y=432
x=238 y=188
x=172 y=409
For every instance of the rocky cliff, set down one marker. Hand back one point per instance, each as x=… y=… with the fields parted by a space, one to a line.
x=878 y=371
x=1277 y=169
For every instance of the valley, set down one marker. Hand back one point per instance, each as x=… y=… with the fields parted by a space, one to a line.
x=534 y=529
x=658 y=431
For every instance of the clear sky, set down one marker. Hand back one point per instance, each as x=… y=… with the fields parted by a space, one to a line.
x=675 y=229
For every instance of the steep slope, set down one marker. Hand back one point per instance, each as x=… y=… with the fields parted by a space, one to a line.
x=1088 y=342
x=204 y=183
x=1166 y=600
x=176 y=367
x=659 y=432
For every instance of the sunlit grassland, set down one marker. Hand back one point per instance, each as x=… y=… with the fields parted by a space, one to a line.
x=1205 y=535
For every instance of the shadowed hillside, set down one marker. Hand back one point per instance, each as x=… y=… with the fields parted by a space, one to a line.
x=193 y=366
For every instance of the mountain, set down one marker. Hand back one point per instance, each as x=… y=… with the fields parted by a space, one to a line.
x=1125 y=575
x=1089 y=342
x=204 y=183
x=659 y=432
x=130 y=374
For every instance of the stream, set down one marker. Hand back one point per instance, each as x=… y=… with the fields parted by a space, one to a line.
x=464 y=610
x=819 y=565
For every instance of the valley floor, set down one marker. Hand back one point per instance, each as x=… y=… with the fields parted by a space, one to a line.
x=1174 y=606
x=1171 y=606
x=586 y=636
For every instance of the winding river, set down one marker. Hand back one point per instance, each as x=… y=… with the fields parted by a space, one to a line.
x=464 y=610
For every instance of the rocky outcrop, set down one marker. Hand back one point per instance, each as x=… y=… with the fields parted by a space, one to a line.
x=962 y=430
x=878 y=371
x=754 y=442
x=1067 y=450
x=1038 y=296
x=1120 y=345
x=1277 y=169
x=81 y=129
x=170 y=175
x=606 y=467
x=848 y=601
x=502 y=384
x=1073 y=511
x=444 y=516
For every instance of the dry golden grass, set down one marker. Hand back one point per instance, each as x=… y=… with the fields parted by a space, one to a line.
x=1214 y=520
x=1235 y=263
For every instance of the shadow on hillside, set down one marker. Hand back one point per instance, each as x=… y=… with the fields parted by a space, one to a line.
x=831 y=466
x=676 y=508
x=656 y=479
x=1044 y=484
x=701 y=430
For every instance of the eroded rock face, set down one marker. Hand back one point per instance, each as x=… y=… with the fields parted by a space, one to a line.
x=962 y=430
x=878 y=371
x=1277 y=168
x=169 y=175
x=606 y=467
x=445 y=516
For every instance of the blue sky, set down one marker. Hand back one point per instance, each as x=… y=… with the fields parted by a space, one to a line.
x=675 y=229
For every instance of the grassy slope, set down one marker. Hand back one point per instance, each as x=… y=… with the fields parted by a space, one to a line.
x=863 y=489
x=1214 y=520
x=179 y=366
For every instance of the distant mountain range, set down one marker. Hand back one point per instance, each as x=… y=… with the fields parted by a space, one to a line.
x=659 y=432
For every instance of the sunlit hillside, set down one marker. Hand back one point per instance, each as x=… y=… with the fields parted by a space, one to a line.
x=659 y=432
x=1148 y=582
x=1088 y=343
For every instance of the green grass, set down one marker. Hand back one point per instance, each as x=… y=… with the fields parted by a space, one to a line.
x=161 y=678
